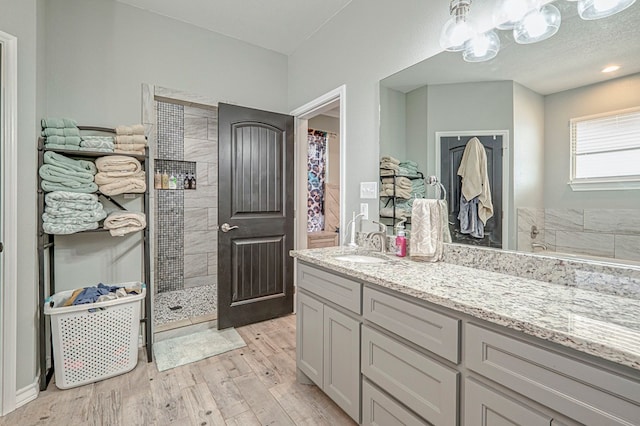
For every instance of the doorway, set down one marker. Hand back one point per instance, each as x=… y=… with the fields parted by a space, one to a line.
x=322 y=119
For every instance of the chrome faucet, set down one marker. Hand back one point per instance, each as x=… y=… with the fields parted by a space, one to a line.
x=381 y=234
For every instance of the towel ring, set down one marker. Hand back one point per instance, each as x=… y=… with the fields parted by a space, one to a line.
x=433 y=181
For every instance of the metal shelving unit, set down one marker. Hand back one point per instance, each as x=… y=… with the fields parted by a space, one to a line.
x=46 y=248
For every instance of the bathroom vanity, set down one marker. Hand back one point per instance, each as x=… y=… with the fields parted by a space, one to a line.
x=412 y=343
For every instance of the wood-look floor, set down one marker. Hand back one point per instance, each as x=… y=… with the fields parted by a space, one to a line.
x=255 y=385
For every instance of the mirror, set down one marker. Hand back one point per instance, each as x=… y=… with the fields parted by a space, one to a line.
x=528 y=93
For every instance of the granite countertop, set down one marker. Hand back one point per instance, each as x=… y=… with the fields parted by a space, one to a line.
x=600 y=324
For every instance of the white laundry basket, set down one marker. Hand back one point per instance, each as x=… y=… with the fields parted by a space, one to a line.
x=95 y=341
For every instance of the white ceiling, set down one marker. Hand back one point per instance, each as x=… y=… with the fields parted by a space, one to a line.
x=572 y=58
x=279 y=25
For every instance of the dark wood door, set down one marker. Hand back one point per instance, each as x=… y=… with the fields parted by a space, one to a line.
x=255 y=200
x=451 y=150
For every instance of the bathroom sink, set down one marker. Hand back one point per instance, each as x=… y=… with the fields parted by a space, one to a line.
x=360 y=258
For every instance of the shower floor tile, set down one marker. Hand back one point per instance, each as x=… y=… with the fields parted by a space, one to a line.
x=193 y=302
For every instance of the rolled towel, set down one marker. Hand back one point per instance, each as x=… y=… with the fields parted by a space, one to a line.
x=59 y=123
x=104 y=178
x=387 y=172
x=122 y=223
x=63 y=140
x=61 y=175
x=388 y=165
x=389 y=159
x=86 y=188
x=50 y=131
x=70 y=219
x=64 y=212
x=127 y=166
x=124 y=186
x=70 y=196
x=131 y=139
x=75 y=205
x=400 y=181
x=69 y=163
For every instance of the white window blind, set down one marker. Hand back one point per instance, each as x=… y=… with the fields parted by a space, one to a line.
x=606 y=146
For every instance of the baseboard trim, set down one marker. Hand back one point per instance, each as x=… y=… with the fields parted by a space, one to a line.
x=27 y=393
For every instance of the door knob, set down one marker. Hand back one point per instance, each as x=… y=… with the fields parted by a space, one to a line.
x=225 y=227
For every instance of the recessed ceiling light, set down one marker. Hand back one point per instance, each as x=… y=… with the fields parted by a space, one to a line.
x=611 y=68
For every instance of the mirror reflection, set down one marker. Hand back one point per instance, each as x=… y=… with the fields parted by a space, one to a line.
x=520 y=107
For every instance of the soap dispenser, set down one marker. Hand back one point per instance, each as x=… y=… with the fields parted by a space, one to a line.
x=401 y=240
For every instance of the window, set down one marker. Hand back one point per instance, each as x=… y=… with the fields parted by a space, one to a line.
x=605 y=151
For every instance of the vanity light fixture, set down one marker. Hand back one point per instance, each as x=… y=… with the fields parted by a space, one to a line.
x=537 y=25
x=611 y=68
x=596 y=9
x=481 y=47
x=456 y=30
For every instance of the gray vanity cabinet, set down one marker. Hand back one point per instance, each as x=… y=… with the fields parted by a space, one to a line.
x=484 y=406
x=328 y=336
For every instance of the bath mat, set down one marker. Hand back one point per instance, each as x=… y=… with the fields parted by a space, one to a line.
x=183 y=350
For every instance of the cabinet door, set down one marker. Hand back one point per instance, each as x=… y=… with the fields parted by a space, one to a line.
x=342 y=361
x=379 y=409
x=486 y=407
x=309 y=337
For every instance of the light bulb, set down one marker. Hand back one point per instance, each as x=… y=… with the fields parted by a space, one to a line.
x=596 y=9
x=454 y=34
x=537 y=25
x=481 y=47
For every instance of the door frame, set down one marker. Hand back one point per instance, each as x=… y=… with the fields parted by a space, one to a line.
x=302 y=114
x=9 y=225
x=506 y=171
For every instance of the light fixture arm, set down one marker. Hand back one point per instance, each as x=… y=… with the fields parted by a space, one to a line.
x=459 y=9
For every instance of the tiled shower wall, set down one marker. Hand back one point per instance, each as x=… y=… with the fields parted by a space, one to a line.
x=613 y=233
x=186 y=236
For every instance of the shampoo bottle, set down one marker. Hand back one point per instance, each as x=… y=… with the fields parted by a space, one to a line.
x=165 y=180
x=157 y=180
x=401 y=241
x=173 y=182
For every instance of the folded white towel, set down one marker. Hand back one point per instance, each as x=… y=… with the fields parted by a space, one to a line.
x=123 y=186
x=426 y=231
x=136 y=129
x=105 y=178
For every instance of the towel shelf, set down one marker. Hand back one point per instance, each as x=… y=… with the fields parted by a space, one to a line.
x=391 y=199
x=46 y=250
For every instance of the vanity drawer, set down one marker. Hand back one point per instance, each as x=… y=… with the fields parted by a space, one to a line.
x=578 y=390
x=422 y=384
x=381 y=410
x=432 y=330
x=336 y=289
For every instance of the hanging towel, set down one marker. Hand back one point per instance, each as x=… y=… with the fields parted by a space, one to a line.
x=470 y=222
x=475 y=180
x=426 y=231
x=444 y=216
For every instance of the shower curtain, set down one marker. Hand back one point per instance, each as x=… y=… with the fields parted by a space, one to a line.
x=316 y=162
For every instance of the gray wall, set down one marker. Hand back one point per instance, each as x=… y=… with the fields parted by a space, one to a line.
x=559 y=109
x=98 y=55
x=418 y=127
x=393 y=126
x=368 y=40
x=19 y=18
